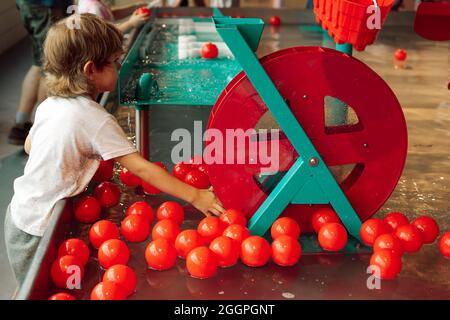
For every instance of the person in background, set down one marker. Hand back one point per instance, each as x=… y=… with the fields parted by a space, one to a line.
x=102 y=9
x=37 y=16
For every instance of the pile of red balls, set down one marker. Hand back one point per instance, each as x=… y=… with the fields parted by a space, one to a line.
x=194 y=172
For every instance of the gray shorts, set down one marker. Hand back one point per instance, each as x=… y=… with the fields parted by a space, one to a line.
x=20 y=247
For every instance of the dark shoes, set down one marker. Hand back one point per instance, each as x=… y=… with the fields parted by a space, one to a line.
x=19 y=133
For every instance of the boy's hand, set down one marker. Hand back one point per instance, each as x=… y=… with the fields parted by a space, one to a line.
x=207 y=202
x=138 y=19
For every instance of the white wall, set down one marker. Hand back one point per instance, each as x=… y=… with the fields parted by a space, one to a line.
x=11 y=29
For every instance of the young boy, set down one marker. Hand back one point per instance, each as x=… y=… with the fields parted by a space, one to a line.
x=72 y=133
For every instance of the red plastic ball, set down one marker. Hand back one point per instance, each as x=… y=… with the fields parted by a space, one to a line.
x=210 y=228
x=135 y=228
x=255 y=251
x=390 y=242
x=128 y=178
x=410 y=236
x=197 y=179
x=332 y=236
x=372 y=229
x=65 y=270
x=201 y=263
x=227 y=251
x=286 y=251
x=233 y=216
x=74 y=247
x=323 y=216
x=237 y=232
x=285 y=226
x=87 y=209
x=166 y=229
x=210 y=51
x=160 y=254
x=123 y=276
x=62 y=296
x=429 y=228
x=142 y=208
x=181 y=169
x=101 y=231
x=170 y=210
x=400 y=54
x=395 y=219
x=203 y=168
x=196 y=161
x=386 y=264
x=444 y=245
x=108 y=194
x=104 y=171
x=275 y=21
x=144 y=11
x=186 y=241
x=113 y=252
x=108 y=290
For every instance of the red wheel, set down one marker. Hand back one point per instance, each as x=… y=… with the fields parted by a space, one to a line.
x=366 y=150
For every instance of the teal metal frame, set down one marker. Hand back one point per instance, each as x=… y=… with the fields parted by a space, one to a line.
x=309 y=180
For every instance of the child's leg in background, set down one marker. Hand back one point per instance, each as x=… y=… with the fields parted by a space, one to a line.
x=20 y=247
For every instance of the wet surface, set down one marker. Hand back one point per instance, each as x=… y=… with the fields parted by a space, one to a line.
x=421 y=88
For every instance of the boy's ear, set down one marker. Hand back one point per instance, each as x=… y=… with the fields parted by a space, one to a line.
x=89 y=69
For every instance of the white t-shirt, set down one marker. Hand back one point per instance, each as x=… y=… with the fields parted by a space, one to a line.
x=68 y=139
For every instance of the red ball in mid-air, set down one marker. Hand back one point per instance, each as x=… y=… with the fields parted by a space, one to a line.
x=197 y=179
x=170 y=210
x=107 y=290
x=233 y=216
x=201 y=263
x=64 y=270
x=108 y=194
x=166 y=229
x=275 y=21
x=386 y=264
x=400 y=55
x=323 y=216
x=123 y=276
x=113 y=252
x=237 y=232
x=255 y=251
x=87 y=209
x=181 y=169
x=186 y=241
x=210 y=51
x=372 y=229
x=227 y=251
x=142 y=208
x=104 y=171
x=429 y=228
x=210 y=228
x=444 y=244
x=101 y=231
x=332 y=236
x=160 y=254
x=74 y=247
x=135 y=228
x=128 y=178
x=410 y=236
x=286 y=251
x=395 y=219
x=390 y=242
x=62 y=296
x=285 y=226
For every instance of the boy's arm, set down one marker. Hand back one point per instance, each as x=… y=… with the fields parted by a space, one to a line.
x=203 y=200
x=121 y=12
x=27 y=145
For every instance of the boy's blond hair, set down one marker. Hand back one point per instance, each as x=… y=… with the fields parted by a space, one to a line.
x=69 y=47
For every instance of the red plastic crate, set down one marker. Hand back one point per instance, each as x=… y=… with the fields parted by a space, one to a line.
x=346 y=20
